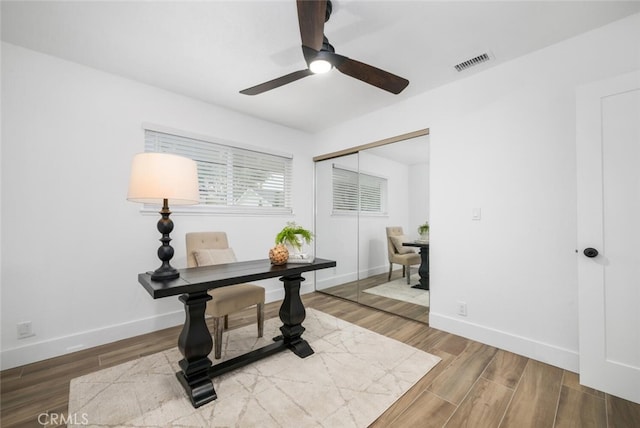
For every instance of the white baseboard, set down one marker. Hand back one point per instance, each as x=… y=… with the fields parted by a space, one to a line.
x=556 y=356
x=336 y=280
x=350 y=277
x=58 y=346
x=374 y=271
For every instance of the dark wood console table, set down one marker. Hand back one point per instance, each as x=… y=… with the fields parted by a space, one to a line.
x=423 y=270
x=195 y=342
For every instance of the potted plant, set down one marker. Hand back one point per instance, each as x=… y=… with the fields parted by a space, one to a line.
x=423 y=230
x=294 y=237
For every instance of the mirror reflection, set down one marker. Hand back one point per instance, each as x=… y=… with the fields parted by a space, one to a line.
x=369 y=207
x=336 y=233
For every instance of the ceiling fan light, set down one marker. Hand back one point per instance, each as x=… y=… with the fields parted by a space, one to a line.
x=319 y=66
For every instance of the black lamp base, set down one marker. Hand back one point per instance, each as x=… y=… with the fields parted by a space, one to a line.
x=165 y=272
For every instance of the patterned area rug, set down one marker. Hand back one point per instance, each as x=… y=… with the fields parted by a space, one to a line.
x=399 y=289
x=353 y=377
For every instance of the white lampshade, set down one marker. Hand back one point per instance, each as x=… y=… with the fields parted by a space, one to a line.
x=159 y=176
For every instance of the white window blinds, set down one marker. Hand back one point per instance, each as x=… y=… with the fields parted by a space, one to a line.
x=232 y=179
x=358 y=192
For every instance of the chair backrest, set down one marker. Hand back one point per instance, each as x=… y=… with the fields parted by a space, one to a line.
x=204 y=241
x=392 y=231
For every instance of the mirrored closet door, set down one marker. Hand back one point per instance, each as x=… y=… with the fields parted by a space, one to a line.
x=359 y=196
x=336 y=233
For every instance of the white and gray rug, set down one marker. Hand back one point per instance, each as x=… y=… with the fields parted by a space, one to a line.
x=353 y=377
x=399 y=289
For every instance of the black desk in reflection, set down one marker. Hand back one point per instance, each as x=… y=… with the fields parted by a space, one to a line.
x=423 y=271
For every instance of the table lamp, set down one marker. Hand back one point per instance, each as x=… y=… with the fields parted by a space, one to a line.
x=157 y=178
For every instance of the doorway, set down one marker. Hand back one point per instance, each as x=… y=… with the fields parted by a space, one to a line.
x=608 y=155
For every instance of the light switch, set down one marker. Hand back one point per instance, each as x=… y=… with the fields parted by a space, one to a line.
x=476 y=214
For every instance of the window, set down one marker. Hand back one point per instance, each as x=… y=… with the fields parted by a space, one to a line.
x=231 y=179
x=355 y=192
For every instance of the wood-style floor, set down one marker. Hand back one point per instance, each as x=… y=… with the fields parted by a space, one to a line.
x=474 y=385
x=354 y=291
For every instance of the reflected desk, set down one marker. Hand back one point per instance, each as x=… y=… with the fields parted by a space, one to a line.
x=195 y=342
x=423 y=284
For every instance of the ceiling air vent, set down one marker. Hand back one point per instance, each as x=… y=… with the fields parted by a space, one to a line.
x=473 y=61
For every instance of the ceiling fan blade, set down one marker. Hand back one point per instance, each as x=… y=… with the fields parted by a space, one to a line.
x=311 y=17
x=369 y=74
x=276 y=83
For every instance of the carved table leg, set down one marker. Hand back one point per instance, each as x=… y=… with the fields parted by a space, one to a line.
x=292 y=314
x=195 y=344
x=424 y=268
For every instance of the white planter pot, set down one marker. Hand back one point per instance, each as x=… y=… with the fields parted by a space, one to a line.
x=302 y=254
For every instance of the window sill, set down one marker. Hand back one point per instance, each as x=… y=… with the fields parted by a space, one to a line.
x=356 y=214
x=217 y=211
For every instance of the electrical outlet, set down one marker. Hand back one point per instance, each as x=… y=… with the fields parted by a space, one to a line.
x=25 y=329
x=462 y=309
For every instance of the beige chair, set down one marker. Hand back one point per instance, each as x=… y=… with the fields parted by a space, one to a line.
x=405 y=256
x=212 y=248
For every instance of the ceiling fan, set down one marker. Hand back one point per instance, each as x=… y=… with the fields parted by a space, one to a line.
x=320 y=56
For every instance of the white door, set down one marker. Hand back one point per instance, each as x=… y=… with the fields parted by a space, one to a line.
x=608 y=162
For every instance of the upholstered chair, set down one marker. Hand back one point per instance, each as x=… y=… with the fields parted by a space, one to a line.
x=212 y=248
x=405 y=256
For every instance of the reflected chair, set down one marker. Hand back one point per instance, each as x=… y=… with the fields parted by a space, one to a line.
x=405 y=256
x=212 y=248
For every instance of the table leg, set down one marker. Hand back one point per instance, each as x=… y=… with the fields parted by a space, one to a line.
x=424 y=269
x=292 y=314
x=195 y=344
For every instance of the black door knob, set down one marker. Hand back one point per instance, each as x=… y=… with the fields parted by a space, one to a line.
x=590 y=252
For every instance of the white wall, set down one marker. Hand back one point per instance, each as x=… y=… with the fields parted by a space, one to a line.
x=503 y=140
x=72 y=246
x=419 y=200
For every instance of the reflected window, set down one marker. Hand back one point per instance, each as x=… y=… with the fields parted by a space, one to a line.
x=355 y=192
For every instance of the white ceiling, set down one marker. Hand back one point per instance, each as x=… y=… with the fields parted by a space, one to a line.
x=210 y=50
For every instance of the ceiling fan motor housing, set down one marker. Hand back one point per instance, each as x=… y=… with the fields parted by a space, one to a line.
x=326 y=46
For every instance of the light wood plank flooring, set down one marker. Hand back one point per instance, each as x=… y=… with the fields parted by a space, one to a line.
x=474 y=385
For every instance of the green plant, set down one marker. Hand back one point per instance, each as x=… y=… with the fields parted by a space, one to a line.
x=423 y=229
x=289 y=235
